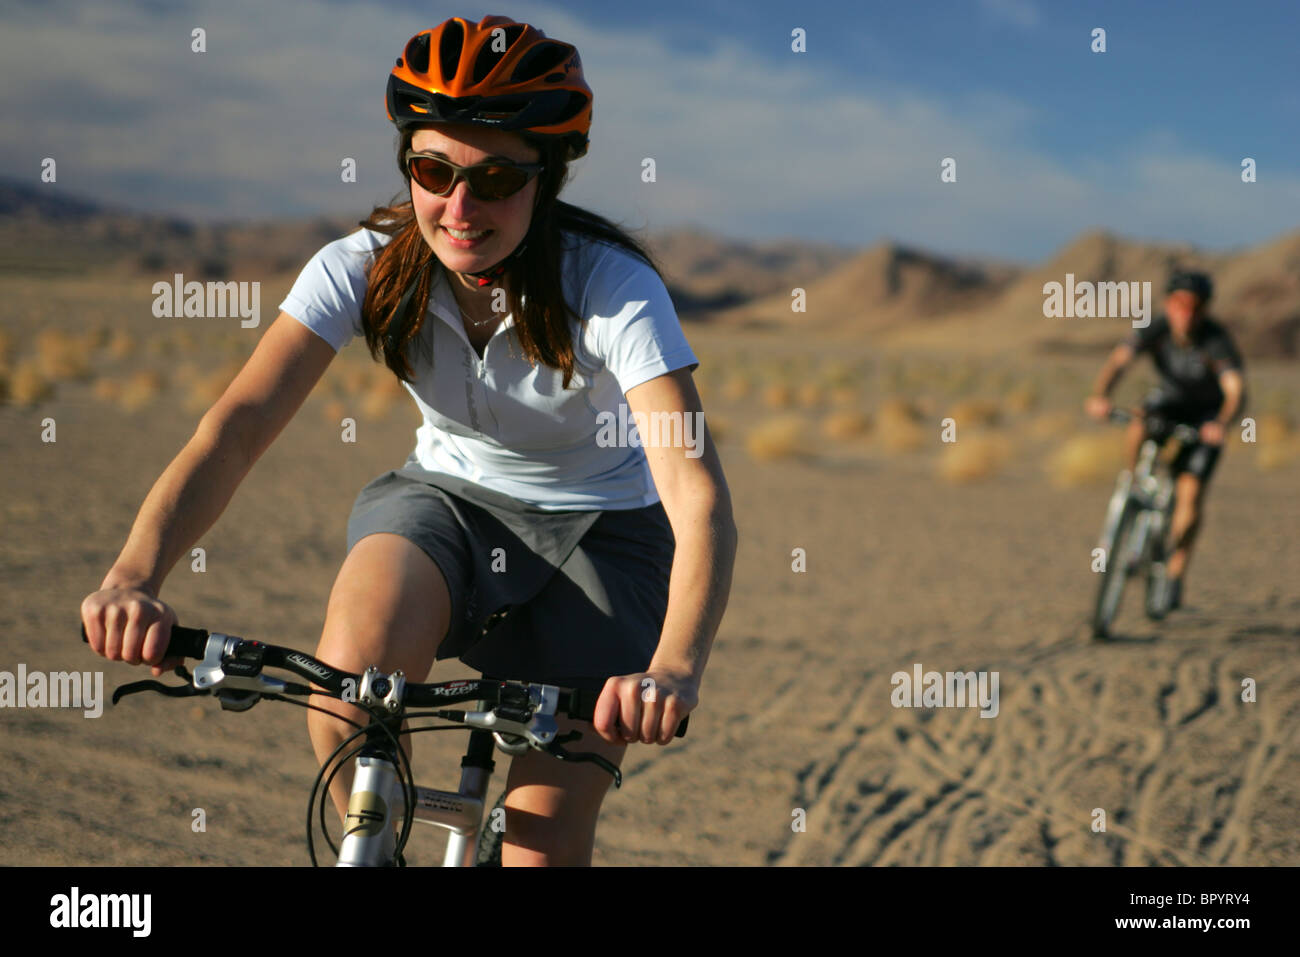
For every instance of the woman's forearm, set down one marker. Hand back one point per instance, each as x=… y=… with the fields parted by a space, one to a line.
x=698 y=588
x=184 y=503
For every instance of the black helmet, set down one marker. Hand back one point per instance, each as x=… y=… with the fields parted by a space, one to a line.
x=1193 y=281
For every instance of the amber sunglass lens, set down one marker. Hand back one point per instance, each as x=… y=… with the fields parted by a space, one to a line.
x=496 y=182
x=430 y=173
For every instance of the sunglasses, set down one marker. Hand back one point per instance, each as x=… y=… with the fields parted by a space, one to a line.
x=487 y=181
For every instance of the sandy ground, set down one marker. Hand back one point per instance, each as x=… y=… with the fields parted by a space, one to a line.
x=795 y=715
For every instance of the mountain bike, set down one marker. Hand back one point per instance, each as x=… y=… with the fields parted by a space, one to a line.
x=385 y=802
x=1135 y=531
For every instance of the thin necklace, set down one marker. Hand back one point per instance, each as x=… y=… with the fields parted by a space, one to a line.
x=475 y=322
x=472 y=322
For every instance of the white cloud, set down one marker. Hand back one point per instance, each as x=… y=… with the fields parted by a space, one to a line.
x=746 y=143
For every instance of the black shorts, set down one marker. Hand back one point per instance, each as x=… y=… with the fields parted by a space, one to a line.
x=1198 y=459
x=562 y=597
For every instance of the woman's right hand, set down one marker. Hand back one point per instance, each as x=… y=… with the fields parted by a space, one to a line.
x=129 y=624
x=1097 y=406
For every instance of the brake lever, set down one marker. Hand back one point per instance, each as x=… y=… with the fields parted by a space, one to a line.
x=186 y=690
x=555 y=748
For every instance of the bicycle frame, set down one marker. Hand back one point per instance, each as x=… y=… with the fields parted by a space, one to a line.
x=369 y=839
x=1143 y=497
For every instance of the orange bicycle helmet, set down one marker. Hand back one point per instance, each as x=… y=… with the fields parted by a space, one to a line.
x=497 y=73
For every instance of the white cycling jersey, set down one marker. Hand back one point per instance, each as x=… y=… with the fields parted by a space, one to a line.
x=498 y=421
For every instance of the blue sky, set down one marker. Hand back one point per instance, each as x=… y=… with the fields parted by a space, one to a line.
x=841 y=143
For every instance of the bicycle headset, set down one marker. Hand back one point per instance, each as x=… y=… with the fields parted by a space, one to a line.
x=458 y=72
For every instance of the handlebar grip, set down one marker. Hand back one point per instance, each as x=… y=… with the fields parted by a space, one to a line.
x=184 y=642
x=187 y=642
x=582 y=706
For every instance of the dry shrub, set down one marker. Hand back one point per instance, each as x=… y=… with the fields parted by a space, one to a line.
x=98 y=337
x=62 y=356
x=1085 y=459
x=141 y=389
x=205 y=390
x=719 y=427
x=1277 y=446
x=334 y=411
x=380 y=395
x=6 y=349
x=736 y=387
x=106 y=389
x=975 y=411
x=845 y=424
x=778 y=395
x=122 y=345
x=1053 y=425
x=1270 y=429
x=809 y=395
x=784 y=436
x=160 y=346
x=29 y=385
x=843 y=395
x=838 y=374
x=1279 y=455
x=352 y=380
x=1023 y=398
x=898 y=426
x=974 y=456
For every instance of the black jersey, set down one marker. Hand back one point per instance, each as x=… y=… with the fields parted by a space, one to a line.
x=1189 y=374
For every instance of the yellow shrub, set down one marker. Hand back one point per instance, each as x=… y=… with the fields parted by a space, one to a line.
x=845 y=424
x=781 y=437
x=975 y=455
x=29 y=385
x=1085 y=459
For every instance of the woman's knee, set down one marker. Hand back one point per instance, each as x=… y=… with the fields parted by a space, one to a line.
x=389 y=607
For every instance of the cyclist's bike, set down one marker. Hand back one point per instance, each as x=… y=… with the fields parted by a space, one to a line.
x=1135 y=533
x=385 y=801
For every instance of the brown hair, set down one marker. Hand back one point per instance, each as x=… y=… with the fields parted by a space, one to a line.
x=543 y=329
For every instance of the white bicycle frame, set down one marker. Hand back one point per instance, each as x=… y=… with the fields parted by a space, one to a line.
x=375 y=806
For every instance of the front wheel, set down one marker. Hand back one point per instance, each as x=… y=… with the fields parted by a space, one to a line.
x=1113 y=579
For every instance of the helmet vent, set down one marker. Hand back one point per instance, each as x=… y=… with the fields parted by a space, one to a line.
x=577 y=103
x=489 y=56
x=453 y=39
x=417 y=53
x=540 y=59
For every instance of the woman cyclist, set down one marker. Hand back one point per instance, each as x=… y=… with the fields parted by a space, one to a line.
x=1202 y=384
x=522 y=535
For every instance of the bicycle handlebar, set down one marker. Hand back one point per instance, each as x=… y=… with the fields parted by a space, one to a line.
x=578 y=704
x=1186 y=434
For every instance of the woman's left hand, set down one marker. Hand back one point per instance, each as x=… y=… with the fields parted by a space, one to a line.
x=646 y=706
x=1212 y=432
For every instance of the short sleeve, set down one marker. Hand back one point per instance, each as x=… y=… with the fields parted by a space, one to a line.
x=633 y=322
x=1223 y=352
x=1143 y=338
x=327 y=296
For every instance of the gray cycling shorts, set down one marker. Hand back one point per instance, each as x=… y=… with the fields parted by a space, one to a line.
x=566 y=598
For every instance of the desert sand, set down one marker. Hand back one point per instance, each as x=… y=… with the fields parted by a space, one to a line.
x=903 y=566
